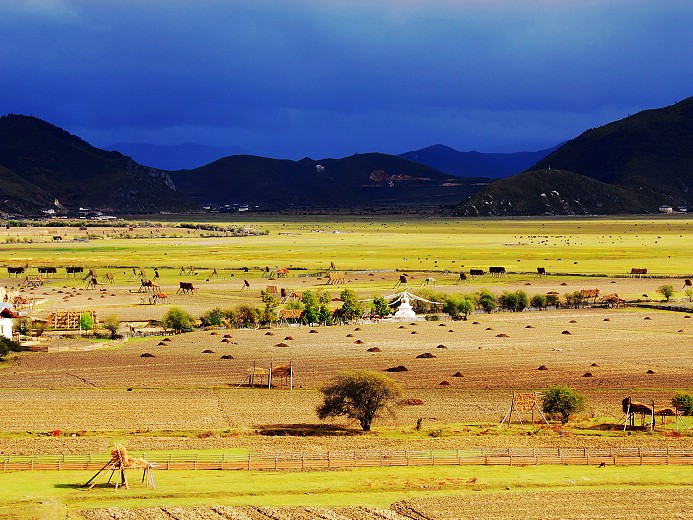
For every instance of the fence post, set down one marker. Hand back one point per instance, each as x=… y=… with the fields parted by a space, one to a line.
x=249 y=457
x=667 y=455
x=328 y=460
x=406 y=456
x=303 y=460
x=222 y=460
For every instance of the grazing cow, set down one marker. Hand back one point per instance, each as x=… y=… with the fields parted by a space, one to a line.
x=92 y=282
x=57 y=238
x=246 y=285
x=47 y=270
x=91 y=274
x=541 y=271
x=476 y=272
x=108 y=277
x=185 y=288
x=159 y=297
x=637 y=271
x=686 y=283
x=148 y=286
x=282 y=272
x=74 y=270
x=402 y=281
x=462 y=278
x=16 y=271
x=33 y=281
x=429 y=280
x=496 y=271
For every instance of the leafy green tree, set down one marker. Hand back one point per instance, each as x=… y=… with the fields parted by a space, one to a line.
x=323 y=296
x=324 y=315
x=312 y=307
x=247 y=315
x=360 y=395
x=214 y=317
x=86 y=322
x=553 y=300
x=559 y=400
x=683 y=402
x=516 y=301
x=458 y=304
x=351 y=306
x=111 y=324
x=178 y=320
x=486 y=300
x=269 y=314
x=539 y=301
x=666 y=290
x=380 y=306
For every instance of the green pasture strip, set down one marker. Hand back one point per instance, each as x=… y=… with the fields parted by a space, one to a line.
x=375 y=487
x=582 y=245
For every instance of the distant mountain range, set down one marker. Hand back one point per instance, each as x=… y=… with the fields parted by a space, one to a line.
x=176 y=157
x=45 y=168
x=629 y=166
x=476 y=164
x=358 y=181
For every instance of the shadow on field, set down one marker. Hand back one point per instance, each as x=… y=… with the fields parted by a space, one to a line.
x=305 y=430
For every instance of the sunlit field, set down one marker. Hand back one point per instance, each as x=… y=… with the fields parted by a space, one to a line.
x=84 y=394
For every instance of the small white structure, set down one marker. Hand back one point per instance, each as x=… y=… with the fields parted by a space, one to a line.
x=404 y=311
x=666 y=209
x=6 y=323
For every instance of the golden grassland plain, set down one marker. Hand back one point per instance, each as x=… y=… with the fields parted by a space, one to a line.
x=97 y=391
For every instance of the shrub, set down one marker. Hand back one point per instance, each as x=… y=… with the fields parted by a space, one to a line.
x=7 y=346
x=562 y=401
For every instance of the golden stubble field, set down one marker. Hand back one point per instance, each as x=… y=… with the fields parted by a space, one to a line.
x=183 y=389
x=80 y=385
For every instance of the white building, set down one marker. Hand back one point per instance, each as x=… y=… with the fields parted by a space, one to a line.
x=7 y=316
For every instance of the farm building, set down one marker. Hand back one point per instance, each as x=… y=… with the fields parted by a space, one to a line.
x=666 y=209
x=7 y=315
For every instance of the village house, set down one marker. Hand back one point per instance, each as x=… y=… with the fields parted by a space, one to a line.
x=7 y=315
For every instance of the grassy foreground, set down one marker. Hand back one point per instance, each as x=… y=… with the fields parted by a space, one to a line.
x=60 y=495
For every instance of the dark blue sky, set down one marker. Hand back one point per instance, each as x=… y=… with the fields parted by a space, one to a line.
x=328 y=78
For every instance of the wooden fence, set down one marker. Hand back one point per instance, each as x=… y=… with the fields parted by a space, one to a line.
x=362 y=459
